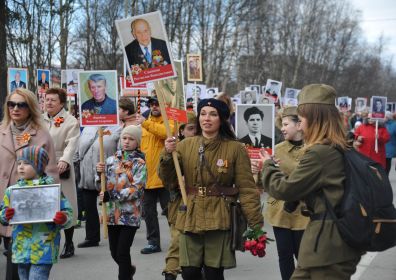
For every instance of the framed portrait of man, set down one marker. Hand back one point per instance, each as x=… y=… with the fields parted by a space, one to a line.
x=249 y=97
x=98 y=98
x=34 y=204
x=145 y=45
x=255 y=125
x=69 y=81
x=42 y=83
x=194 y=67
x=171 y=91
x=272 y=91
x=377 y=107
x=17 y=78
x=360 y=104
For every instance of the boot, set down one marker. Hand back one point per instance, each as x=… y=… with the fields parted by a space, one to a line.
x=68 y=251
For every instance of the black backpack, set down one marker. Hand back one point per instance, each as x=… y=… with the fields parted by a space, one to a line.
x=366 y=216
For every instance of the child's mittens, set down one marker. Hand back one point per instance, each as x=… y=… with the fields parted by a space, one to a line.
x=60 y=218
x=9 y=213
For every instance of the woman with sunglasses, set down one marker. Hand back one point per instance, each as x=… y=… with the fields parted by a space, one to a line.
x=21 y=126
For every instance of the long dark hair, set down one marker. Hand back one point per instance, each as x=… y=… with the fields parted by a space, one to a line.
x=225 y=130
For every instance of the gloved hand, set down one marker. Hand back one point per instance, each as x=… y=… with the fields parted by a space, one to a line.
x=60 y=218
x=9 y=213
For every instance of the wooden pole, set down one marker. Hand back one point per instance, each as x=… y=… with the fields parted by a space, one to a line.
x=174 y=153
x=376 y=137
x=102 y=182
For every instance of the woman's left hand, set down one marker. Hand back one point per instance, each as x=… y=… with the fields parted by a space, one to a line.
x=62 y=166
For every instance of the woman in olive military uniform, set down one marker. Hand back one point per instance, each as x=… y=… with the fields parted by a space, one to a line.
x=216 y=171
x=286 y=219
x=323 y=254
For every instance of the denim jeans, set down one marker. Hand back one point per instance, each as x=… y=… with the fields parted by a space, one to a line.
x=29 y=271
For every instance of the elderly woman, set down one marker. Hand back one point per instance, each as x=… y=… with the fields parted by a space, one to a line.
x=22 y=126
x=217 y=171
x=65 y=131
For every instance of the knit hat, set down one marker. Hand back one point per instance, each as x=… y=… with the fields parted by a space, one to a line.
x=36 y=156
x=220 y=106
x=289 y=111
x=134 y=131
x=317 y=94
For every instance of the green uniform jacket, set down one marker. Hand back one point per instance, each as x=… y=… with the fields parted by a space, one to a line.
x=288 y=156
x=321 y=167
x=206 y=213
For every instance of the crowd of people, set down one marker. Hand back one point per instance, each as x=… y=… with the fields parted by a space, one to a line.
x=139 y=170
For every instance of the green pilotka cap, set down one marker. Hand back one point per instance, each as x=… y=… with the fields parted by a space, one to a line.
x=289 y=111
x=317 y=94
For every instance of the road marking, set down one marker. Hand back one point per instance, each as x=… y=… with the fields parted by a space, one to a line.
x=363 y=265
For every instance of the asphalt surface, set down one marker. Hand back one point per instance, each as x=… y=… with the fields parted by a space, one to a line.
x=96 y=263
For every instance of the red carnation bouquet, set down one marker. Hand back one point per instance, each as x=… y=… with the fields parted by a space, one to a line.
x=256 y=241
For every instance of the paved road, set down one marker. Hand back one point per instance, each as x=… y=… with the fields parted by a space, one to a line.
x=96 y=263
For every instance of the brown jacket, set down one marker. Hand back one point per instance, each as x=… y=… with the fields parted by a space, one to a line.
x=206 y=213
x=8 y=168
x=321 y=167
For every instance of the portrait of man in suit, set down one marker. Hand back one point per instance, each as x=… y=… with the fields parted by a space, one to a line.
x=43 y=82
x=17 y=83
x=100 y=103
x=254 y=117
x=146 y=51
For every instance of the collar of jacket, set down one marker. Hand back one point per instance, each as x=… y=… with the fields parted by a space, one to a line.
x=155 y=119
x=61 y=113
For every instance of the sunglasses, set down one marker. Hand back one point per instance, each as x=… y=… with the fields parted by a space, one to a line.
x=20 y=105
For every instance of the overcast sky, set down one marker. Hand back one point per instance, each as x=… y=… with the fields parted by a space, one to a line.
x=379 y=17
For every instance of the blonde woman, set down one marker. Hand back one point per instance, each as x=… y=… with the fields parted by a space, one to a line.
x=22 y=126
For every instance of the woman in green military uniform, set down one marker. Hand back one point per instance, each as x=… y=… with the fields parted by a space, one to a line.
x=216 y=171
x=323 y=254
x=286 y=218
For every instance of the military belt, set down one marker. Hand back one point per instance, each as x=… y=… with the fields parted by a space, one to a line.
x=212 y=191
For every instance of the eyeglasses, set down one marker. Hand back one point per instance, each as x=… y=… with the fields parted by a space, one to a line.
x=20 y=105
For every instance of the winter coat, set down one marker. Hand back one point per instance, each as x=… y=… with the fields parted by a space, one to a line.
x=8 y=149
x=367 y=147
x=36 y=243
x=153 y=137
x=288 y=156
x=390 y=146
x=229 y=162
x=88 y=153
x=65 y=137
x=126 y=177
x=321 y=167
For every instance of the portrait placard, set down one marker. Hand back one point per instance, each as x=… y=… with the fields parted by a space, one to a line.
x=42 y=83
x=212 y=92
x=194 y=94
x=249 y=97
x=17 y=78
x=255 y=126
x=344 y=103
x=35 y=204
x=98 y=98
x=272 y=91
x=194 y=67
x=138 y=90
x=145 y=45
x=256 y=88
x=69 y=81
x=172 y=92
x=389 y=107
x=377 y=107
x=290 y=98
x=360 y=104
